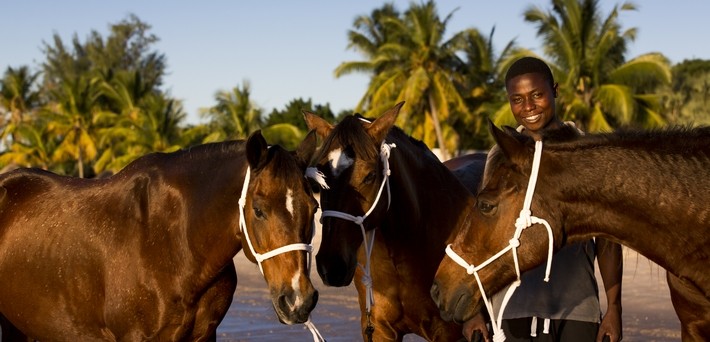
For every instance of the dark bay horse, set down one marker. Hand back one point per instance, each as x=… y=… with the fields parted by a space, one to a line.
x=647 y=190
x=146 y=254
x=419 y=203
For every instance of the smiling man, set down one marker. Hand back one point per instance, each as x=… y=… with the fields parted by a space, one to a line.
x=567 y=308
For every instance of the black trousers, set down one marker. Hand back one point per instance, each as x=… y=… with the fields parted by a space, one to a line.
x=518 y=330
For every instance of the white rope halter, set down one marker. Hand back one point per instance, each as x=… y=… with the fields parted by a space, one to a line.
x=270 y=254
x=367 y=236
x=524 y=221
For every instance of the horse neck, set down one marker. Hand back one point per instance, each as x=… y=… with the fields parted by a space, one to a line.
x=428 y=201
x=637 y=198
x=216 y=184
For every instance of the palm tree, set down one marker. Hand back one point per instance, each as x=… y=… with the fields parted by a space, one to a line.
x=32 y=147
x=599 y=88
x=17 y=98
x=70 y=116
x=370 y=34
x=484 y=76
x=415 y=64
x=234 y=116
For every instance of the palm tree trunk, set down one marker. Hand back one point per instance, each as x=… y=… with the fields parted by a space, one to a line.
x=437 y=129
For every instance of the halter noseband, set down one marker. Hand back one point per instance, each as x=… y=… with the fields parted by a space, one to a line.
x=270 y=254
x=523 y=221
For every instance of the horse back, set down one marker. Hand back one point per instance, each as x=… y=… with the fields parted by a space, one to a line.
x=468 y=169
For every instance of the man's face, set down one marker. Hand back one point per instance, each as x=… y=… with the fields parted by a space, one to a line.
x=532 y=100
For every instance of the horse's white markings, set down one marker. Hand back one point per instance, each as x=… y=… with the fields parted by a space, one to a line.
x=296 y=285
x=289 y=201
x=339 y=161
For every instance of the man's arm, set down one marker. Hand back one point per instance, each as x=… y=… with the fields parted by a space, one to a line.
x=611 y=268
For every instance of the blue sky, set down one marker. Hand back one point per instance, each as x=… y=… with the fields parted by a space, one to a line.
x=289 y=49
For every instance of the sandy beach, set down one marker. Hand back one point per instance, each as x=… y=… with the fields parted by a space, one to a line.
x=647 y=310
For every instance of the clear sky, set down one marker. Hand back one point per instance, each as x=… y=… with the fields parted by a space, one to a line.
x=289 y=49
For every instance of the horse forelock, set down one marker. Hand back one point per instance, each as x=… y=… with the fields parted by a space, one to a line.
x=348 y=134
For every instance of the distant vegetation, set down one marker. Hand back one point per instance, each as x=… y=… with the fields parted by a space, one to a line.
x=95 y=105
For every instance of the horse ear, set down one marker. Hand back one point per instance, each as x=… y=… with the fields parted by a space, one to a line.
x=307 y=148
x=256 y=150
x=382 y=125
x=316 y=123
x=507 y=140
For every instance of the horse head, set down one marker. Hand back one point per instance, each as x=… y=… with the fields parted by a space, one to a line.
x=350 y=159
x=278 y=214
x=485 y=245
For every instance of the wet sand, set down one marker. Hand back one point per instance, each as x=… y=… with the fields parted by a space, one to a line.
x=647 y=310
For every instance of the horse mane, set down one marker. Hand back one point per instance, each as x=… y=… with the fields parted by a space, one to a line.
x=674 y=139
x=397 y=133
x=279 y=158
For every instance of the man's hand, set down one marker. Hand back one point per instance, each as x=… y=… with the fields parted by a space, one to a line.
x=475 y=329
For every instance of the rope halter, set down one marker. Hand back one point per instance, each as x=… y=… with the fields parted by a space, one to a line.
x=270 y=254
x=367 y=236
x=523 y=221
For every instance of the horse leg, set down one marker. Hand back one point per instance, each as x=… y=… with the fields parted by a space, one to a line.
x=692 y=308
x=10 y=333
x=214 y=304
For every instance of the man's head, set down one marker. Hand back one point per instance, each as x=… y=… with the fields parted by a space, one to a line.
x=531 y=93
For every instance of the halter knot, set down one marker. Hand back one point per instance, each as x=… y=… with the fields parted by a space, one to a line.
x=514 y=242
x=359 y=219
x=470 y=269
x=242 y=202
x=524 y=220
x=366 y=279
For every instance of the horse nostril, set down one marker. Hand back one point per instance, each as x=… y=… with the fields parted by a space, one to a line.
x=310 y=305
x=285 y=303
x=434 y=292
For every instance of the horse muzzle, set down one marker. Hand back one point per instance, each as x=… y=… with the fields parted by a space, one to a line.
x=457 y=305
x=293 y=307
x=335 y=271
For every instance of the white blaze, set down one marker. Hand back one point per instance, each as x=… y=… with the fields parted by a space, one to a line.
x=296 y=285
x=339 y=161
x=289 y=201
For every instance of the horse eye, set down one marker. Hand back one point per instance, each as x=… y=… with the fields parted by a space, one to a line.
x=259 y=214
x=486 y=208
x=370 y=178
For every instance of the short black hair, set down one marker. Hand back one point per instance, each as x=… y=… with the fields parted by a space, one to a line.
x=528 y=65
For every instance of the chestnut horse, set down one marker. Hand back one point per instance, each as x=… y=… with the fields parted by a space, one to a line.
x=418 y=205
x=147 y=254
x=647 y=190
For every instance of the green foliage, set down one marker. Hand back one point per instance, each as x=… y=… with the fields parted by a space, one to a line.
x=688 y=99
x=293 y=114
x=235 y=116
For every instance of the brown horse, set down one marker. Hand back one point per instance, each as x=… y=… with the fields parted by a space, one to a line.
x=646 y=190
x=419 y=204
x=146 y=254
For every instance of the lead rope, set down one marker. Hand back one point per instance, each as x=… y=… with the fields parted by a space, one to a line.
x=368 y=237
x=523 y=221
x=288 y=248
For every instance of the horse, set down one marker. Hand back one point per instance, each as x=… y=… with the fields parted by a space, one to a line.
x=419 y=204
x=147 y=254
x=647 y=190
